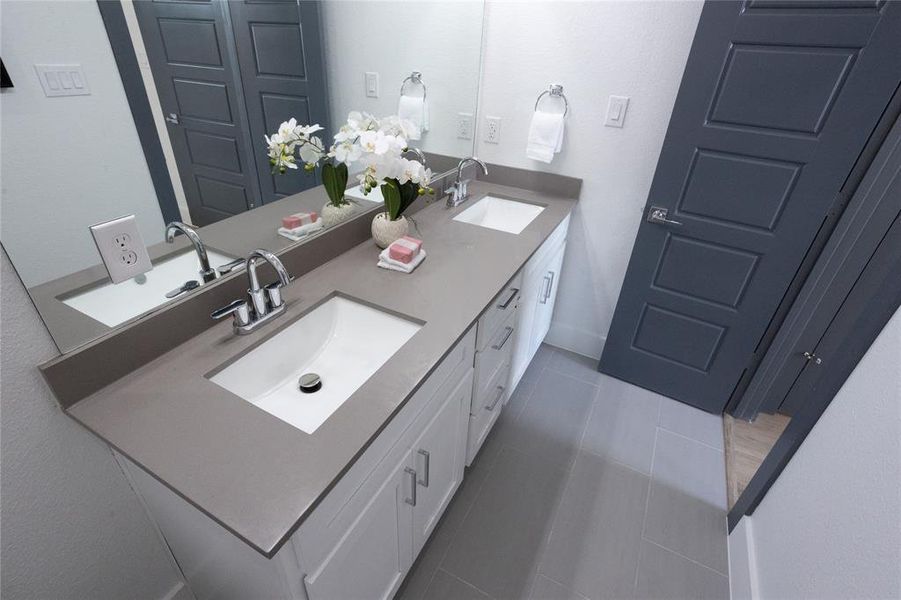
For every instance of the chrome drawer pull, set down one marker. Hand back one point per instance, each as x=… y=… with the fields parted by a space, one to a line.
x=424 y=482
x=500 y=392
x=503 y=341
x=503 y=305
x=412 y=473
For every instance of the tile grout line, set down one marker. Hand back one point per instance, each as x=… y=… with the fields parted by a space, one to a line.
x=478 y=491
x=463 y=581
x=569 y=477
x=691 y=560
x=563 y=585
x=691 y=439
x=647 y=500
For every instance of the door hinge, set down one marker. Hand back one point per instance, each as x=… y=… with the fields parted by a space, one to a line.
x=810 y=356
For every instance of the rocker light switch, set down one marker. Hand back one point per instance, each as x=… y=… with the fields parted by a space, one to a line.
x=62 y=80
x=616 y=111
x=372 y=84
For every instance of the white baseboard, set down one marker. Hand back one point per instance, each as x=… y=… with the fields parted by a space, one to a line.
x=586 y=343
x=742 y=562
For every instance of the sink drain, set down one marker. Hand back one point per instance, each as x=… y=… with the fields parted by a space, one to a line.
x=309 y=383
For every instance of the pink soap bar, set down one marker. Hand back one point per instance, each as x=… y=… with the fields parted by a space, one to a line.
x=298 y=219
x=405 y=249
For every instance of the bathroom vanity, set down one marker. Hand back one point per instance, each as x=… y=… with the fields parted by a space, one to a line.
x=256 y=501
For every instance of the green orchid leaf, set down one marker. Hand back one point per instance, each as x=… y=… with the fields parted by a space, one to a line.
x=393 y=200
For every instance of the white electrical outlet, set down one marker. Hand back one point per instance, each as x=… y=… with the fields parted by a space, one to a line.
x=372 y=84
x=121 y=248
x=464 y=126
x=493 y=130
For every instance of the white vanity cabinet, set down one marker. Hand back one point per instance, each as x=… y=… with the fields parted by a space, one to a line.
x=540 y=281
x=362 y=538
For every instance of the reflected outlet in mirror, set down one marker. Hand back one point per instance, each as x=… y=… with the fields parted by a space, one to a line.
x=341 y=341
x=114 y=303
x=500 y=214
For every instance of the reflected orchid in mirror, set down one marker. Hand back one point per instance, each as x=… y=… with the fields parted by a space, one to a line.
x=378 y=145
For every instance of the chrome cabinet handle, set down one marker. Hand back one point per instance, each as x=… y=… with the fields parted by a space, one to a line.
x=547 y=289
x=503 y=341
x=424 y=482
x=657 y=214
x=500 y=392
x=550 y=286
x=503 y=305
x=412 y=499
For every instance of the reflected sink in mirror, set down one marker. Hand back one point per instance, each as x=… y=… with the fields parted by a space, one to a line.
x=501 y=214
x=342 y=341
x=113 y=304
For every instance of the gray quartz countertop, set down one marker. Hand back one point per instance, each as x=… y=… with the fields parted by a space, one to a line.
x=253 y=473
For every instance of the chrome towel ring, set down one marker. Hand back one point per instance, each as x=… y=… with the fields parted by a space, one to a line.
x=415 y=78
x=555 y=90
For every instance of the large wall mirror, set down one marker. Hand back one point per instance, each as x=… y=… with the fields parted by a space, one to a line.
x=215 y=77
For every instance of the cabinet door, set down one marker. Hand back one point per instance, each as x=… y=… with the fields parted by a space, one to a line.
x=375 y=554
x=525 y=317
x=544 y=309
x=439 y=456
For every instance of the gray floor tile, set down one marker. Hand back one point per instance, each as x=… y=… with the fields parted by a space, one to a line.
x=686 y=507
x=664 y=575
x=445 y=586
x=551 y=424
x=692 y=422
x=594 y=545
x=498 y=546
x=623 y=424
x=575 y=365
x=545 y=589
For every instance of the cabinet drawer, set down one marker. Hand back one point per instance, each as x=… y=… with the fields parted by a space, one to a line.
x=498 y=311
x=323 y=529
x=495 y=356
x=486 y=408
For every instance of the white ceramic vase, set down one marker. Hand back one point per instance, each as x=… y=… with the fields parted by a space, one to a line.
x=332 y=215
x=385 y=231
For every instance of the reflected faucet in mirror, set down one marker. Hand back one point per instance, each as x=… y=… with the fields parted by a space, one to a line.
x=265 y=301
x=206 y=273
x=459 y=192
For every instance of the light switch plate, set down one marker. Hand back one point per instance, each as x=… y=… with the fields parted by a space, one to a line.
x=616 y=111
x=122 y=248
x=372 y=84
x=63 y=80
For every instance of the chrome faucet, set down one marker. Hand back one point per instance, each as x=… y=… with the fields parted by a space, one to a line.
x=265 y=301
x=206 y=273
x=417 y=153
x=458 y=191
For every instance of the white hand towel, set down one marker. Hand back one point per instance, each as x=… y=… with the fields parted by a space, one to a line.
x=545 y=136
x=386 y=262
x=416 y=110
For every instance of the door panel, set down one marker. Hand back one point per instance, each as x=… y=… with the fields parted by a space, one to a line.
x=187 y=44
x=439 y=455
x=776 y=103
x=280 y=56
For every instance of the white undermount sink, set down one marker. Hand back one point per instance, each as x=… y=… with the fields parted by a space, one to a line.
x=342 y=341
x=114 y=303
x=501 y=214
x=356 y=192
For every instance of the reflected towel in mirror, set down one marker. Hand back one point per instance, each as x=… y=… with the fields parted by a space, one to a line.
x=416 y=110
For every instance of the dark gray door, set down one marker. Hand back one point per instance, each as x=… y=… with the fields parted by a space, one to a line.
x=199 y=88
x=776 y=102
x=280 y=56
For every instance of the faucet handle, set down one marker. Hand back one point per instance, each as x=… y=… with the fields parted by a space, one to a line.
x=230 y=266
x=274 y=294
x=238 y=309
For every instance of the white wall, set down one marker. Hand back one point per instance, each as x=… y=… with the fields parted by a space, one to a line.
x=66 y=162
x=595 y=49
x=830 y=527
x=440 y=39
x=71 y=525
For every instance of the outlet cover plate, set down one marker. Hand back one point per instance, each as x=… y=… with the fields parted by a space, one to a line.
x=492 y=130
x=122 y=248
x=372 y=84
